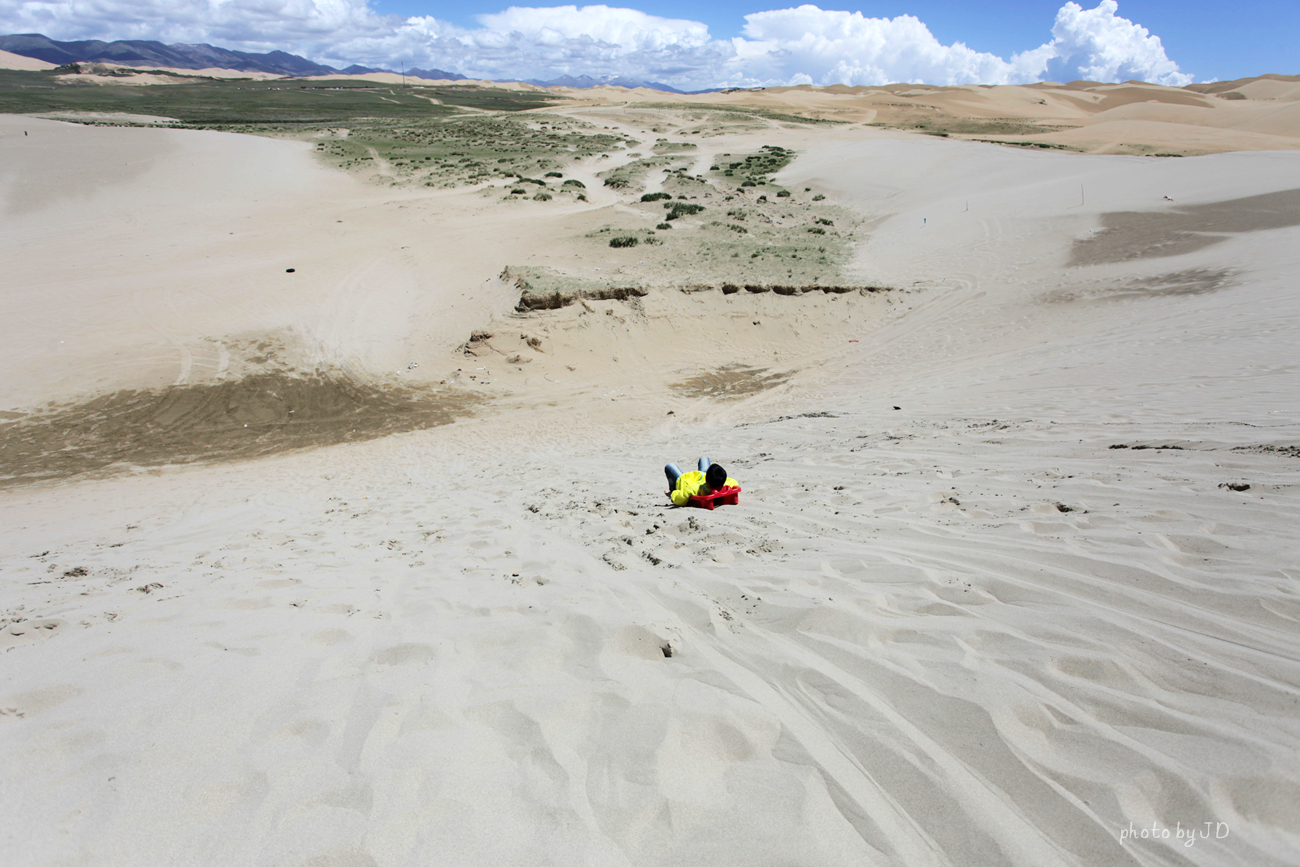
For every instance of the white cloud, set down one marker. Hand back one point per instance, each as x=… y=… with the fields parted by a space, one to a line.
x=786 y=46
x=241 y=24
x=849 y=48
x=630 y=29
x=1097 y=44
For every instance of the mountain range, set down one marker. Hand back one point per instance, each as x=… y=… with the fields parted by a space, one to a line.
x=143 y=52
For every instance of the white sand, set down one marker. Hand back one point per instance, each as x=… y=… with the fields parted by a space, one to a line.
x=445 y=647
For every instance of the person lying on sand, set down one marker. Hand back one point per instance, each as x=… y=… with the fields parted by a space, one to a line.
x=707 y=479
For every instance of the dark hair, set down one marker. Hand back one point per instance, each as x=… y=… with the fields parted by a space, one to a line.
x=716 y=477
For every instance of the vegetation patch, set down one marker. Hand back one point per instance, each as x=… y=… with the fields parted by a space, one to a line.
x=683 y=209
x=753 y=169
x=946 y=125
x=467 y=149
x=1027 y=144
x=631 y=176
x=283 y=103
x=744 y=116
x=663 y=146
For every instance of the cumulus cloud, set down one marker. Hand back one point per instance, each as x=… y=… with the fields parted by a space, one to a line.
x=242 y=24
x=848 y=48
x=805 y=44
x=1097 y=44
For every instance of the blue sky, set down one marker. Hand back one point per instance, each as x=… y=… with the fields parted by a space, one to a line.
x=729 y=43
x=1250 y=39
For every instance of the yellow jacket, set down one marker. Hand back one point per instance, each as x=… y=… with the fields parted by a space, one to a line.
x=692 y=483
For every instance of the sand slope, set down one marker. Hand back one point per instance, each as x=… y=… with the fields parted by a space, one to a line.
x=987 y=599
x=9 y=60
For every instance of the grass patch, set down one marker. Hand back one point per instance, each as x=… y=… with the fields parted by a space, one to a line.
x=284 y=102
x=466 y=149
x=663 y=146
x=631 y=175
x=740 y=114
x=754 y=169
x=944 y=125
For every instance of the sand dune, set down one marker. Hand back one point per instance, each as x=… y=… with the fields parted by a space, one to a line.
x=9 y=60
x=1012 y=579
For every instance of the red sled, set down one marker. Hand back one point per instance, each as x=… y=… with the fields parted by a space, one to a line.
x=721 y=497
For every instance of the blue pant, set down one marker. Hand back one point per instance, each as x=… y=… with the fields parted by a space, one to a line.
x=674 y=474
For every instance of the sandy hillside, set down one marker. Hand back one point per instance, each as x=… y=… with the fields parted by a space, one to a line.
x=367 y=562
x=1129 y=118
x=9 y=60
x=118 y=75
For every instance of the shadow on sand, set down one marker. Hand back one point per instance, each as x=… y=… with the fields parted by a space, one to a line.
x=1129 y=235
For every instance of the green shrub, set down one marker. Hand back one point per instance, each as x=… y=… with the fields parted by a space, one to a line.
x=825 y=222
x=554 y=174
x=572 y=182
x=817 y=230
x=664 y=226
x=682 y=209
x=654 y=197
x=618 y=182
x=541 y=197
x=783 y=194
x=748 y=184
x=819 y=197
x=516 y=192
x=624 y=241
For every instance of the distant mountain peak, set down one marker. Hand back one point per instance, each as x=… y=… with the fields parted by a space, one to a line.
x=143 y=52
